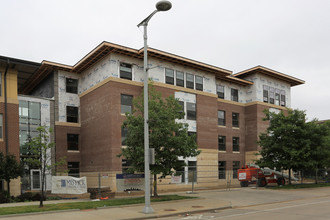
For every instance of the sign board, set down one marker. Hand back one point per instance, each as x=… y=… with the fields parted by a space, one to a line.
x=242 y=176
x=69 y=185
x=130 y=182
x=176 y=179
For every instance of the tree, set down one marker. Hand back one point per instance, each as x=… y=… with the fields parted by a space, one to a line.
x=10 y=168
x=285 y=144
x=319 y=146
x=169 y=138
x=41 y=157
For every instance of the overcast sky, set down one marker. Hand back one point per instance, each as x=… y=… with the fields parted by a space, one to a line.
x=289 y=36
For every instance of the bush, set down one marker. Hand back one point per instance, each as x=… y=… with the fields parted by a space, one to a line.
x=4 y=197
x=28 y=196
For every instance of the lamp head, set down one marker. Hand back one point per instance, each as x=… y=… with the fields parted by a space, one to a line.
x=163 y=5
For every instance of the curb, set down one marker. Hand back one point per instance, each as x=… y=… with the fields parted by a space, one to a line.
x=38 y=213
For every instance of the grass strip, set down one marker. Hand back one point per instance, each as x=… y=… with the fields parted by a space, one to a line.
x=86 y=205
x=301 y=186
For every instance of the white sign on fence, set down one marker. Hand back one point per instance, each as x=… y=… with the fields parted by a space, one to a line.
x=69 y=185
x=176 y=179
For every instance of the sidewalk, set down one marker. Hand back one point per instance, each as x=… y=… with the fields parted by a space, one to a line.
x=162 y=209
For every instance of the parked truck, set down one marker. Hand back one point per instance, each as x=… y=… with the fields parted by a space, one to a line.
x=252 y=174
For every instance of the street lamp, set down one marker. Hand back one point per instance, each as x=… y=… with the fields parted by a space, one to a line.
x=160 y=6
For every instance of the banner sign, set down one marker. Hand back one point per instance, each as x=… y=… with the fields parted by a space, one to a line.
x=130 y=182
x=69 y=185
x=176 y=179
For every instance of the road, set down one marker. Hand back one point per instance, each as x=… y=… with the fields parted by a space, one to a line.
x=315 y=207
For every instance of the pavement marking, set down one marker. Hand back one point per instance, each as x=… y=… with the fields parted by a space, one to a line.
x=273 y=209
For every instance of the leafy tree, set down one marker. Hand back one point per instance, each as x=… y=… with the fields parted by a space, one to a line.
x=10 y=168
x=41 y=157
x=169 y=138
x=319 y=146
x=285 y=144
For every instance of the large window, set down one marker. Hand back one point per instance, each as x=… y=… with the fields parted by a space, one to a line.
x=221 y=91
x=29 y=121
x=221 y=118
x=189 y=81
x=265 y=93
x=73 y=141
x=222 y=169
x=236 y=166
x=73 y=168
x=72 y=85
x=169 y=76
x=125 y=71
x=235 y=120
x=72 y=114
x=234 y=95
x=199 y=83
x=236 y=144
x=179 y=78
x=222 y=143
x=191 y=111
x=126 y=103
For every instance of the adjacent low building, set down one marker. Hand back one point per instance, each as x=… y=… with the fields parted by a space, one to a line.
x=86 y=104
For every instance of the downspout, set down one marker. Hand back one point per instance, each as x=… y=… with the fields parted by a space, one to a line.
x=6 y=107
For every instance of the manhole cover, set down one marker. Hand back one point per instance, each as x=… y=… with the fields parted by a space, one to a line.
x=170 y=210
x=197 y=206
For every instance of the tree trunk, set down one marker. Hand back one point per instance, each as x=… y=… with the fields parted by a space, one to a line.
x=155 y=185
x=289 y=176
x=316 y=177
x=8 y=187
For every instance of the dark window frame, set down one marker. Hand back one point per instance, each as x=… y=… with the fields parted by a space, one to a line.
x=222 y=121
x=169 y=76
x=221 y=92
x=70 y=115
x=71 y=85
x=236 y=167
x=123 y=73
x=74 y=169
x=265 y=93
x=236 y=144
x=221 y=143
x=179 y=80
x=235 y=120
x=191 y=112
x=189 y=83
x=234 y=95
x=124 y=105
x=124 y=133
x=221 y=170
x=199 y=85
x=73 y=142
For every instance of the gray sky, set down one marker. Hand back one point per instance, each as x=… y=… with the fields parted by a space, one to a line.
x=289 y=36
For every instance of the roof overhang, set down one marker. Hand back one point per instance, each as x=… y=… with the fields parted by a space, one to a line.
x=272 y=73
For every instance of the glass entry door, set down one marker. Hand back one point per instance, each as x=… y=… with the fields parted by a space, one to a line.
x=35 y=180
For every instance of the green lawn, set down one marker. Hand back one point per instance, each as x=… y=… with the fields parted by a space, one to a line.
x=86 y=205
x=301 y=186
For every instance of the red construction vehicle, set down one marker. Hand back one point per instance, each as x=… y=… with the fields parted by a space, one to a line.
x=252 y=174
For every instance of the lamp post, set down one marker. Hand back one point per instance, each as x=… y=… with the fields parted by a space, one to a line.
x=160 y=6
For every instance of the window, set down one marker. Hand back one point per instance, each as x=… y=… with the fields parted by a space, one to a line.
x=277 y=97
x=222 y=169
x=221 y=118
x=236 y=144
x=72 y=114
x=234 y=95
x=73 y=168
x=190 y=81
x=235 y=119
x=265 y=93
x=221 y=92
x=271 y=95
x=192 y=171
x=1 y=127
x=222 y=143
x=282 y=98
x=126 y=103
x=169 y=76
x=73 y=140
x=179 y=78
x=124 y=134
x=125 y=71
x=199 y=83
x=192 y=133
x=72 y=85
x=236 y=166
x=182 y=106
x=191 y=111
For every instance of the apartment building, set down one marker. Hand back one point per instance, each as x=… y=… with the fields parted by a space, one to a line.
x=86 y=105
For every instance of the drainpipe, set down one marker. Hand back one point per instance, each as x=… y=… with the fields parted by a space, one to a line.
x=6 y=107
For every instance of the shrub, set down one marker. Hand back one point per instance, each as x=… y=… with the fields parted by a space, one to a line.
x=4 y=197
